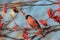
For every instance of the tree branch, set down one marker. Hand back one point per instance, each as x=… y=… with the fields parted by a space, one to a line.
x=49 y=31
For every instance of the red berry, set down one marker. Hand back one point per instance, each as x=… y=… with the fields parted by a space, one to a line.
x=1 y=17
x=57 y=19
x=43 y=22
x=50 y=13
x=5 y=8
x=1 y=25
x=15 y=28
x=25 y=35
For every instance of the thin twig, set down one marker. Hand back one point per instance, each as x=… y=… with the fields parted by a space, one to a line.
x=11 y=37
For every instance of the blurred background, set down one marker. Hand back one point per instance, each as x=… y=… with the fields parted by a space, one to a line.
x=38 y=12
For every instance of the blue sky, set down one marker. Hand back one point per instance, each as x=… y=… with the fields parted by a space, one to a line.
x=38 y=12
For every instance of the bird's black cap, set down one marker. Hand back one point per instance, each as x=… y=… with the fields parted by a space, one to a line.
x=27 y=16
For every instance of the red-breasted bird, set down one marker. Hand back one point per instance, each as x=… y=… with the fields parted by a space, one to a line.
x=32 y=22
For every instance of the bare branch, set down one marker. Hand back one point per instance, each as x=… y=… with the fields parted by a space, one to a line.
x=49 y=31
